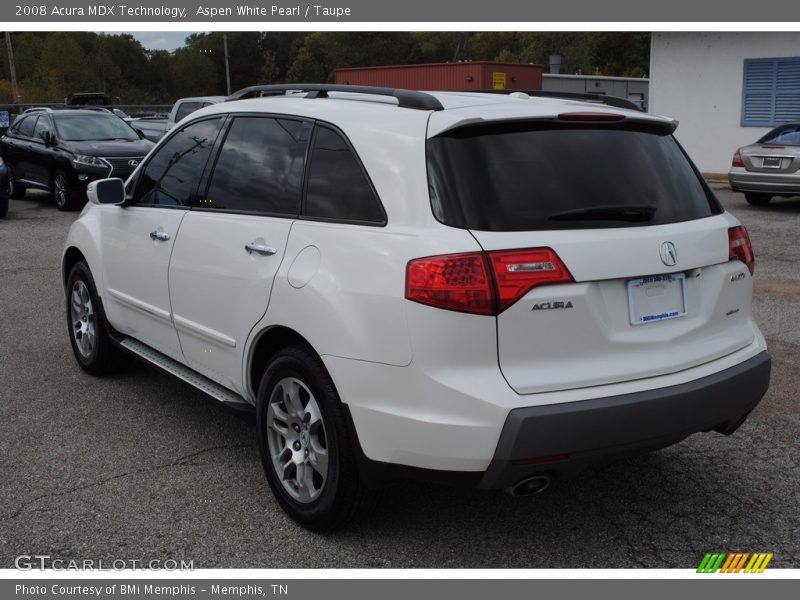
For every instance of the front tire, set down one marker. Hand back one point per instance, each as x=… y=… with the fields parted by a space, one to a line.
x=16 y=191
x=65 y=199
x=304 y=442
x=3 y=202
x=88 y=332
x=757 y=199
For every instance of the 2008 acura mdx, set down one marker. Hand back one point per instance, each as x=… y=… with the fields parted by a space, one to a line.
x=489 y=289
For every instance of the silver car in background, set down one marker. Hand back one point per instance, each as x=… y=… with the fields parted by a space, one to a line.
x=770 y=167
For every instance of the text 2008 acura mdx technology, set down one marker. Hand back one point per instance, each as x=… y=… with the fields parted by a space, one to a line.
x=467 y=287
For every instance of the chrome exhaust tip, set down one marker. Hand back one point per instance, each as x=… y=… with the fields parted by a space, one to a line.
x=530 y=486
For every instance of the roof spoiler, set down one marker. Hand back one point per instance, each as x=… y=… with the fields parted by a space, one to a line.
x=614 y=101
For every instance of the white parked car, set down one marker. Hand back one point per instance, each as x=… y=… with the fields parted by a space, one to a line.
x=464 y=287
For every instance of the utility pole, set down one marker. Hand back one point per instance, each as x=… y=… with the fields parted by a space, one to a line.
x=13 y=69
x=227 y=66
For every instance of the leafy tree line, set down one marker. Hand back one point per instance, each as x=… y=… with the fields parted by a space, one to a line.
x=52 y=65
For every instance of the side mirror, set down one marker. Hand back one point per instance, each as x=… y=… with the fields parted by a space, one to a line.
x=106 y=191
x=47 y=137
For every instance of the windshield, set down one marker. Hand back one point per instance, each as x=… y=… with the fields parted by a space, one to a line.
x=94 y=128
x=535 y=176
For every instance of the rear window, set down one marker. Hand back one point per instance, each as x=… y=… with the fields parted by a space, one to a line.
x=522 y=177
x=187 y=108
x=788 y=135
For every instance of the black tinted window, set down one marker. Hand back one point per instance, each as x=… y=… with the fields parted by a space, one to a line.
x=786 y=136
x=532 y=177
x=337 y=187
x=25 y=126
x=42 y=124
x=260 y=167
x=173 y=173
x=187 y=108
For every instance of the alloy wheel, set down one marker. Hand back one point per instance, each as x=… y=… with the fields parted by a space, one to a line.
x=83 y=319
x=60 y=189
x=297 y=440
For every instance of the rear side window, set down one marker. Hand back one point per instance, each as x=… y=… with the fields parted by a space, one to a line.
x=337 y=187
x=25 y=126
x=260 y=167
x=523 y=177
x=187 y=108
x=785 y=136
x=171 y=176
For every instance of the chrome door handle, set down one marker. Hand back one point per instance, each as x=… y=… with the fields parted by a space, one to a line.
x=260 y=249
x=161 y=236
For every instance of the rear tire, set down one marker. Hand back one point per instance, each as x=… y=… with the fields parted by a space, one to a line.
x=757 y=199
x=86 y=323
x=305 y=444
x=65 y=199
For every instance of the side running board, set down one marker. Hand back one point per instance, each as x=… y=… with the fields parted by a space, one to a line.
x=173 y=367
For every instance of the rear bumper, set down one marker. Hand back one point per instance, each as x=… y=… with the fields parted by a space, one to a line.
x=559 y=438
x=771 y=183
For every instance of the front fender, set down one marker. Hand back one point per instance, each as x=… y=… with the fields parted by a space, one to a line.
x=84 y=236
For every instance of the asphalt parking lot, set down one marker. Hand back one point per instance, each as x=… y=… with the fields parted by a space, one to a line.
x=140 y=466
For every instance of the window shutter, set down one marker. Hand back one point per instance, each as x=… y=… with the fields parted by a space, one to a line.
x=787 y=91
x=771 y=94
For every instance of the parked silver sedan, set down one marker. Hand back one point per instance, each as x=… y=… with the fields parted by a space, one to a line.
x=770 y=167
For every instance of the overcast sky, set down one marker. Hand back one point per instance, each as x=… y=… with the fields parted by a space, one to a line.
x=160 y=40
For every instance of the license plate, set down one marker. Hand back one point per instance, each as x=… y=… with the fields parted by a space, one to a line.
x=657 y=298
x=771 y=162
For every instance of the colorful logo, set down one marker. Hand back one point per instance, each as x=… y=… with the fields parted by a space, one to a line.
x=723 y=562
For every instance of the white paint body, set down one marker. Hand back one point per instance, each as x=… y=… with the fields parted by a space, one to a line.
x=426 y=387
x=697 y=78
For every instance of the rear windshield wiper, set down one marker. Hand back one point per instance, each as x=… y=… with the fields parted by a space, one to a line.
x=621 y=212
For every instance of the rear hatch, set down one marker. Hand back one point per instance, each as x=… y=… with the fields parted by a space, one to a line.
x=617 y=209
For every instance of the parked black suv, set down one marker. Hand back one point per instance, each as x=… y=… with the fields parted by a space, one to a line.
x=63 y=150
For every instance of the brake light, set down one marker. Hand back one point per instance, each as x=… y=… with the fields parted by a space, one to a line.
x=516 y=272
x=457 y=282
x=737 y=159
x=590 y=116
x=739 y=247
x=479 y=282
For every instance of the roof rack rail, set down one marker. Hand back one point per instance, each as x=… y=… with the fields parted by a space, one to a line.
x=405 y=98
x=65 y=107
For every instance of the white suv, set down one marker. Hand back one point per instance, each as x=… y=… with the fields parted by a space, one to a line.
x=496 y=290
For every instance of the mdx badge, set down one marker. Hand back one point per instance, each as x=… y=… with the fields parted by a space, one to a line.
x=669 y=255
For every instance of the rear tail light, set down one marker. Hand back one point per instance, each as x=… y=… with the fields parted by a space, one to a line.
x=483 y=283
x=737 y=159
x=516 y=272
x=453 y=281
x=739 y=247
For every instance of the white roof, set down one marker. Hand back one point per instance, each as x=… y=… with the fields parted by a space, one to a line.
x=460 y=108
